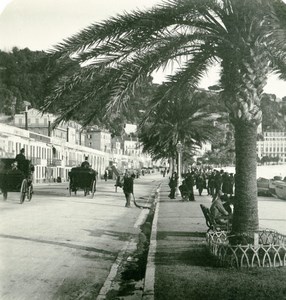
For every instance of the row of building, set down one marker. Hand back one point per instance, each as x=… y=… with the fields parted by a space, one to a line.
x=54 y=151
x=272 y=144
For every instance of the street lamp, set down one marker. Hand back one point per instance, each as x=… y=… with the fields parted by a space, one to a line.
x=179 y=151
x=26 y=118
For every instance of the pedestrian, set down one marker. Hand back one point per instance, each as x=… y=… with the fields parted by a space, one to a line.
x=211 y=184
x=105 y=176
x=128 y=183
x=217 y=182
x=173 y=185
x=200 y=183
x=118 y=182
x=190 y=183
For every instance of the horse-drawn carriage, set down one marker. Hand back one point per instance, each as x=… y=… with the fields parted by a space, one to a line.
x=81 y=178
x=16 y=177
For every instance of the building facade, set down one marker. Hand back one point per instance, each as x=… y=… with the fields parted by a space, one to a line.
x=54 y=157
x=38 y=122
x=273 y=144
x=98 y=139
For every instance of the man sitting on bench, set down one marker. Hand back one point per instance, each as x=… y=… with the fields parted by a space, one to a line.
x=220 y=215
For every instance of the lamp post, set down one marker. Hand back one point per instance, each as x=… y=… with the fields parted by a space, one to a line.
x=26 y=118
x=179 y=151
x=49 y=126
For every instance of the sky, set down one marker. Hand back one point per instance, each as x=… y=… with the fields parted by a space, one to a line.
x=40 y=24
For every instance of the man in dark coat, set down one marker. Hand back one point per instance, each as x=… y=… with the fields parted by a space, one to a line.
x=20 y=159
x=128 y=183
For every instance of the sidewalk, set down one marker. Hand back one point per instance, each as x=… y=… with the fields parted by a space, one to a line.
x=180 y=266
x=178 y=237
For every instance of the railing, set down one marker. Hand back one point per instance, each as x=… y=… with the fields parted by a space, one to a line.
x=71 y=163
x=35 y=160
x=264 y=248
x=54 y=162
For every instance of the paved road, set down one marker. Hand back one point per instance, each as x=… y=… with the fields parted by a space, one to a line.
x=61 y=247
x=272 y=213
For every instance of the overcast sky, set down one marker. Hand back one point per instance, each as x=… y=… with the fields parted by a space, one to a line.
x=40 y=24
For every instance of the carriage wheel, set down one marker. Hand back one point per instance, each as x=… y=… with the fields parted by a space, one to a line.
x=5 y=195
x=23 y=191
x=93 y=189
x=30 y=192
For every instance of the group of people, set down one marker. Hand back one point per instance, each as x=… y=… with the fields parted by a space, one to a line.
x=217 y=183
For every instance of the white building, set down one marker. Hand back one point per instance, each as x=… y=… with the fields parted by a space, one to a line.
x=99 y=139
x=273 y=145
x=33 y=120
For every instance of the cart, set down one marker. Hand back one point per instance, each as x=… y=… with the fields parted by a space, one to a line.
x=16 y=177
x=81 y=178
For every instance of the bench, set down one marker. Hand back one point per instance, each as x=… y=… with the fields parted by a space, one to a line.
x=210 y=221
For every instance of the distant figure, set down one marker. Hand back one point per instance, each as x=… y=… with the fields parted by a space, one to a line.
x=173 y=185
x=105 y=176
x=128 y=183
x=118 y=182
x=85 y=163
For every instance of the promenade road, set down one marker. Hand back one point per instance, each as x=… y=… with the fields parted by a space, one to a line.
x=61 y=247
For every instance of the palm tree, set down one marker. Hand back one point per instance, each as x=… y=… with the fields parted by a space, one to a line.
x=245 y=37
x=182 y=117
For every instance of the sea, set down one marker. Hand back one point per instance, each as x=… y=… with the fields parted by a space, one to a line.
x=271 y=210
x=267 y=172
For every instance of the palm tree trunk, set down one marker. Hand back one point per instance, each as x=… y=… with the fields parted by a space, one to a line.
x=245 y=217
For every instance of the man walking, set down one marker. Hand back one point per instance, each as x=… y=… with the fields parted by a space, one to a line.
x=128 y=188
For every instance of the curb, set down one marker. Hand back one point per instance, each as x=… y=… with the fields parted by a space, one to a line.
x=149 y=280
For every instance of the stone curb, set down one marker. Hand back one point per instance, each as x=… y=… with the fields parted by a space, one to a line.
x=149 y=280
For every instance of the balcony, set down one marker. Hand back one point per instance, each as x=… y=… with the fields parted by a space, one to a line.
x=55 y=162
x=36 y=161
x=71 y=163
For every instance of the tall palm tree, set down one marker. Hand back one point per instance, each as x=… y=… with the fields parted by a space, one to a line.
x=183 y=117
x=245 y=37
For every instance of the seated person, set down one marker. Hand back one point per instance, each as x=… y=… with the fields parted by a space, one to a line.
x=226 y=202
x=20 y=159
x=218 y=211
x=85 y=163
x=21 y=156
